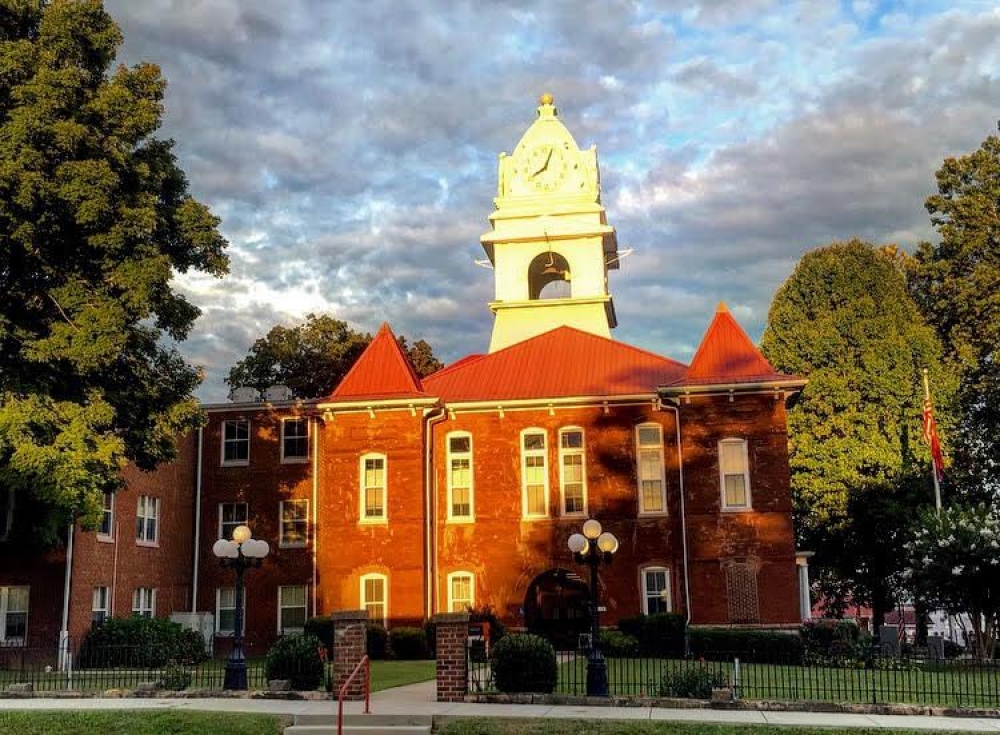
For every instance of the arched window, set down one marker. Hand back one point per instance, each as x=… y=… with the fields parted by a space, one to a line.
x=572 y=471
x=461 y=591
x=649 y=461
x=461 y=505
x=375 y=597
x=549 y=277
x=373 y=472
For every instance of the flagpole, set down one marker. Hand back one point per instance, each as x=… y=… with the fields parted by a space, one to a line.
x=934 y=474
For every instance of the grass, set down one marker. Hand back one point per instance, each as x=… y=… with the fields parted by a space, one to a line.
x=550 y=726
x=388 y=674
x=137 y=722
x=953 y=686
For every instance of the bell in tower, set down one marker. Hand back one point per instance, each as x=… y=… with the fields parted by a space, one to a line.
x=550 y=244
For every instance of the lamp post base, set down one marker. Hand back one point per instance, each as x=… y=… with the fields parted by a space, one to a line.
x=236 y=674
x=597 y=674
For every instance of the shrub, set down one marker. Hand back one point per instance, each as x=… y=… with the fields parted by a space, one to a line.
x=430 y=630
x=175 y=677
x=759 y=646
x=140 y=643
x=830 y=640
x=663 y=634
x=321 y=626
x=408 y=644
x=523 y=662
x=615 y=644
x=378 y=642
x=691 y=680
x=296 y=658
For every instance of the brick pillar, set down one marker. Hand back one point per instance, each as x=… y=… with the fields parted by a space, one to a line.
x=452 y=635
x=350 y=641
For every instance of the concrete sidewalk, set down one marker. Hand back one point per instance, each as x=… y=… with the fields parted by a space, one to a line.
x=417 y=699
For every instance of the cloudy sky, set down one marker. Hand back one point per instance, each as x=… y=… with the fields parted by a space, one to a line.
x=350 y=148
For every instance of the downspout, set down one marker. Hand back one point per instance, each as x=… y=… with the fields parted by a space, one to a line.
x=67 y=584
x=680 y=472
x=314 y=536
x=197 y=525
x=431 y=417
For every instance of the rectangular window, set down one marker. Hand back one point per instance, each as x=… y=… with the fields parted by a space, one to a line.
x=146 y=515
x=144 y=602
x=649 y=453
x=14 y=615
x=572 y=476
x=295 y=440
x=291 y=609
x=461 y=595
x=99 y=606
x=655 y=590
x=107 y=527
x=373 y=597
x=460 y=477
x=734 y=475
x=294 y=523
x=373 y=488
x=232 y=515
x=225 y=610
x=534 y=475
x=236 y=441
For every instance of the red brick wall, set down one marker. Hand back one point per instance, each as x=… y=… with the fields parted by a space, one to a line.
x=43 y=571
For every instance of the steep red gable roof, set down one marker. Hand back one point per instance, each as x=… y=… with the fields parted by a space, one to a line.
x=383 y=372
x=727 y=355
x=564 y=362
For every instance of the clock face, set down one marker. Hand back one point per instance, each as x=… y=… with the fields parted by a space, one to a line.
x=545 y=167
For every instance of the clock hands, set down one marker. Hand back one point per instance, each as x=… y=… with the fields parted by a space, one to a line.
x=544 y=165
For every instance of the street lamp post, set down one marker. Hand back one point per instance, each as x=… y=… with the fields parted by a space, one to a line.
x=240 y=554
x=591 y=548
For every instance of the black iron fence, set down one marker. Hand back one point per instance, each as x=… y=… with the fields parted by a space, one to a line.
x=873 y=679
x=127 y=667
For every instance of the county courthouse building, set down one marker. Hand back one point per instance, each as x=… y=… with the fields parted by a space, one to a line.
x=407 y=497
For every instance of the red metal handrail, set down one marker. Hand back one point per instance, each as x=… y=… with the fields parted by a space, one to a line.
x=367 y=664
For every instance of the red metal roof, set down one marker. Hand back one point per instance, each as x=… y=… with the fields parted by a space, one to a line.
x=383 y=372
x=727 y=355
x=564 y=362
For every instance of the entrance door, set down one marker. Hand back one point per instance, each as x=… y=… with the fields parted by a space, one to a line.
x=556 y=607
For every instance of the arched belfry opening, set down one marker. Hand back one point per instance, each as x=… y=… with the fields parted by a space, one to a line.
x=549 y=277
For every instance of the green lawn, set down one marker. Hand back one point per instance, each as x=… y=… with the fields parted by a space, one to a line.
x=485 y=726
x=132 y=722
x=388 y=674
x=953 y=686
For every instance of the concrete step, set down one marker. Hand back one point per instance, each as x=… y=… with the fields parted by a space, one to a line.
x=372 y=720
x=358 y=730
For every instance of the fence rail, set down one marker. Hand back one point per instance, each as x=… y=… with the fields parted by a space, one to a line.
x=874 y=679
x=121 y=667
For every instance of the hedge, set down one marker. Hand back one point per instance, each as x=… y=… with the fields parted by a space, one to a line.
x=140 y=642
x=408 y=644
x=757 y=646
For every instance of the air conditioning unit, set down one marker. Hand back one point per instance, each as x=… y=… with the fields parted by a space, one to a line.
x=278 y=393
x=244 y=394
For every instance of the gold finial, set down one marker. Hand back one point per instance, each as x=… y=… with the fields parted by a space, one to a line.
x=547 y=99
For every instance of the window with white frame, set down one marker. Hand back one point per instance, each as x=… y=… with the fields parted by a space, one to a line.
x=225 y=610
x=295 y=440
x=144 y=602
x=6 y=512
x=232 y=516
x=734 y=474
x=99 y=606
x=649 y=457
x=534 y=474
x=294 y=523
x=147 y=515
x=461 y=591
x=572 y=472
x=291 y=609
x=236 y=441
x=656 y=590
x=460 y=476
x=107 y=528
x=375 y=597
x=14 y=615
x=373 y=487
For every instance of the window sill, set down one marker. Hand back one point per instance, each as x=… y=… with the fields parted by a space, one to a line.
x=373 y=522
x=736 y=510
x=105 y=539
x=148 y=544
x=236 y=463
x=295 y=460
x=653 y=514
x=532 y=519
x=574 y=514
x=461 y=521
x=299 y=545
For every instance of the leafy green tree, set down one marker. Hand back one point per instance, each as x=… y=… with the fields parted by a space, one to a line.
x=312 y=357
x=845 y=320
x=956 y=568
x=95 y=218
x=956 y=283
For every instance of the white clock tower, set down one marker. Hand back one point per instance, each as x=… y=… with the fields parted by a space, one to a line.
x=551 y=246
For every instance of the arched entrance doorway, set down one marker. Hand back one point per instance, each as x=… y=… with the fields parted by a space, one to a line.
x=556 y=607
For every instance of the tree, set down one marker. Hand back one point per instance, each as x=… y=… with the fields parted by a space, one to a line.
x=956 y=282
x=312 y=357
x=956 y=568
x=95 y=217
x=845 y=320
